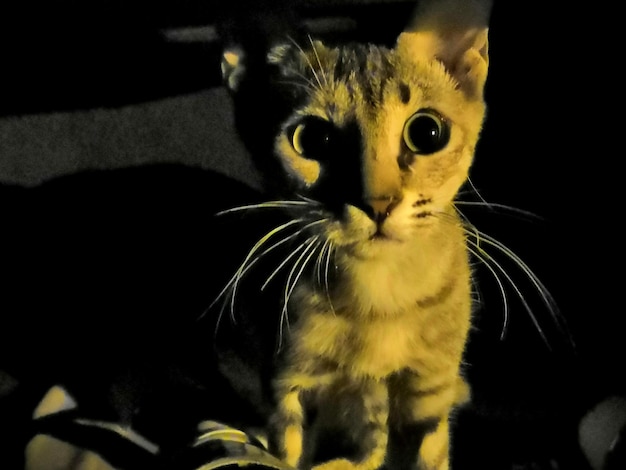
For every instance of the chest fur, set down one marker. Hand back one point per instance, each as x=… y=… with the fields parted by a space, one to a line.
x=373 y=348
x=428 y=332
x=407 y=308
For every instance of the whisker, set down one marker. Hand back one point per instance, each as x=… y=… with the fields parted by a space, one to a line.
x=282 y=264
x=308 y=86
x=232 y=283
x=319 y=62
x=306 y=57
x=264 y=205
x=326 y=274
x=485 y=259
x=495 y=205
x=477 y=240
x=309 y=247
x=517 y=290
x=545 y=294
x=249 y=266
x=475 y=189
x=539 y=286
x=318 y=263
x=309 y=200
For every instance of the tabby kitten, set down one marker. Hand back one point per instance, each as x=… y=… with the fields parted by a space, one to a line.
x=371 y=147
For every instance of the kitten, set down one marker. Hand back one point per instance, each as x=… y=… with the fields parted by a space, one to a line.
x=369 y=148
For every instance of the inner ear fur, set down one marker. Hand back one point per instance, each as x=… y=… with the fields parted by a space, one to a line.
x=454 y=32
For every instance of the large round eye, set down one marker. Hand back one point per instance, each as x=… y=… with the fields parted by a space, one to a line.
x=314 y=138
x=426 y=132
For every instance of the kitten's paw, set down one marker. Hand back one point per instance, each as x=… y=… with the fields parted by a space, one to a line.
x=337 y=464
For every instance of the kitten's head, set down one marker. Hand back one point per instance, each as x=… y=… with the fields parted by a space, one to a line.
x=382 y=138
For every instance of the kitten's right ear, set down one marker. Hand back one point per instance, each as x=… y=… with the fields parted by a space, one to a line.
x=454 y=32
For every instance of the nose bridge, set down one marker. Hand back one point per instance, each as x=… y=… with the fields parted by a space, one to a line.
x=381 y=178
x=381 y=171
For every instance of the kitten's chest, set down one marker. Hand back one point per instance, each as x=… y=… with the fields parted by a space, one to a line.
x=372 y=348
x=382 y=321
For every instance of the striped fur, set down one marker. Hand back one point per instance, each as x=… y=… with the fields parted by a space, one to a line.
x=378 y=300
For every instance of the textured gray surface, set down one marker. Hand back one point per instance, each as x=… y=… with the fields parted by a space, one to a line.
x=195 y=129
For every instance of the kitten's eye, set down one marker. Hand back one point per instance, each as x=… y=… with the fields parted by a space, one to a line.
x=426 y=132
x=314 y=138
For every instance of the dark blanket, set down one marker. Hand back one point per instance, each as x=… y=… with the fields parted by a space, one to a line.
x=106 y=277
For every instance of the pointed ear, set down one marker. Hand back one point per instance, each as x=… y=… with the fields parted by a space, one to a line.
x=455 y=33
x=248 y=31
x=233 y=67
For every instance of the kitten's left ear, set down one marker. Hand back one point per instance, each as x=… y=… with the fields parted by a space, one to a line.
x=455 y=33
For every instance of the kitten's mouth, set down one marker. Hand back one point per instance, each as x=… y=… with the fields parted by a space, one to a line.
x=379 y=236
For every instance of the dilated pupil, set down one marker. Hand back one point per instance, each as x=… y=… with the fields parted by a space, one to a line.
x=426 y=132
x=313 y=138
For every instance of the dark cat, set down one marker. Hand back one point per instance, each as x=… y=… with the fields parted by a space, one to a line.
x=106 y=277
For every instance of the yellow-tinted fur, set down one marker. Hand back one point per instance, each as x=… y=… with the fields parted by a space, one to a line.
x=378 y=347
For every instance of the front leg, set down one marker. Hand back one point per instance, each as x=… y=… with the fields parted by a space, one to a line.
x=286 y=433
x=364 y=416
x=287 y=423
x=421 y=410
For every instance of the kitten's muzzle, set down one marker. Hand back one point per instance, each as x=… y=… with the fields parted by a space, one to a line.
x=379 y=208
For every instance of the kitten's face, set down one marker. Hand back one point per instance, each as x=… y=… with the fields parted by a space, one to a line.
x=380 y=139
x=377 y=140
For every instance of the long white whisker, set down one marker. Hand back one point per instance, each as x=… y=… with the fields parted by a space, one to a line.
x=518 y=292
x=308 y=200
x=544 y=293
x=326 y=274
x=309 y=247
x=318 y=262
x=495 y=205
x=232 y=283
x=319 y=62
x=475 y=189
x=541 y=288
x=292 y=254
x=485 y=259
x=282 y=265
x=308 y=86
x=264 y=205
x=306 y=57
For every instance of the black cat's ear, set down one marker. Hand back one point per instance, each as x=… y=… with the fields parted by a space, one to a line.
x=233 y=67
x=249 y=30
x=453 y=32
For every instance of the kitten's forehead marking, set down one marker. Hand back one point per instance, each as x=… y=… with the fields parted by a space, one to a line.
x=376 y=88
x=405 y=92
x=361 y=80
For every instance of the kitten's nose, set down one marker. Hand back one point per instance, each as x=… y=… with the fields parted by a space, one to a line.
x=380 y=207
